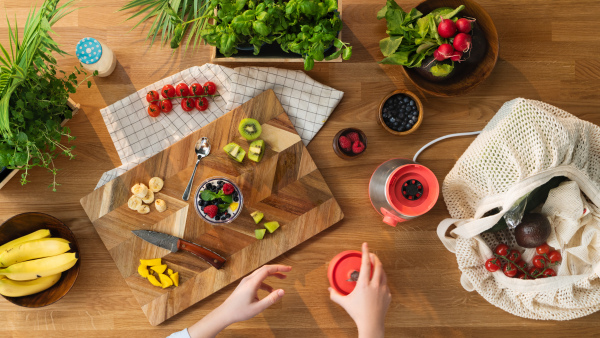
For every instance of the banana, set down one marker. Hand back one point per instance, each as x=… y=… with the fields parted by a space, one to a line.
x=140 y=190
x=11 y=288
x=156 y=184
x=143 y=209
x=42 y=233
x=41 y=267
x=160 y=205
x=38 y=248
x=149 y=197
x=134 y=202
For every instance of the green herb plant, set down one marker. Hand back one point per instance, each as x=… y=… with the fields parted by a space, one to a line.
x=34 y=95
x=412 y=36
x=305 y=27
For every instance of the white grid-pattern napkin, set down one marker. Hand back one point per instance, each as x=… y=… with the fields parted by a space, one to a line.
x=137 y=136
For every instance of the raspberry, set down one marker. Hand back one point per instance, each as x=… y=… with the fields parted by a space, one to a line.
x=353 y=136
x=228 y=189
x=211 y=211
x=358 y=147
x=345 y=143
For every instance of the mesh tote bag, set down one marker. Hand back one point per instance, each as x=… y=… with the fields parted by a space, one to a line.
x=525 y=145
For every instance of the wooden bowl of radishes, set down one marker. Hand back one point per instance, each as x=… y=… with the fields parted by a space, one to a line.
x=468 y=74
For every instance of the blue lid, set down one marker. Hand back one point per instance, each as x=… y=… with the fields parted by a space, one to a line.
x=89 y=50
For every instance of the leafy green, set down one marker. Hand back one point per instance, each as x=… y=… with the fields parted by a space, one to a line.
x=34 y=95
x=412 y=36
x=441 y=69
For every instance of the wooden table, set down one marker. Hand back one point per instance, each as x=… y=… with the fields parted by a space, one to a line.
x=548 y=51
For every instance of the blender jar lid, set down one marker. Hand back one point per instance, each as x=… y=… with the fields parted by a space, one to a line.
x=344 y=270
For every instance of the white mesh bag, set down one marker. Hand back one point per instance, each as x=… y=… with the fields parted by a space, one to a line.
x=526 y=144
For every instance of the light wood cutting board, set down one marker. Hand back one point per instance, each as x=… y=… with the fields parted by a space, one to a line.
x=286 y=186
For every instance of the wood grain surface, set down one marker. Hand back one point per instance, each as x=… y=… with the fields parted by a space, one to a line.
x=285 y=185
x=549 y=52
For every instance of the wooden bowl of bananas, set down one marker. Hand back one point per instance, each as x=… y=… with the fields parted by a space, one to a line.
x=39 y=259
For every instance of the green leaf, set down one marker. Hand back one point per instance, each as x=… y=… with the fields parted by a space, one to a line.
x=390 y=44
x=227 y=199
x=309 y=63
x=261 y=28
x=400 y=58
x=22 y=137
x=347 y=53
x=207 y=195
x=441 y=69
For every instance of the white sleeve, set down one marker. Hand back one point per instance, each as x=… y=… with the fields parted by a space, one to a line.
x=181 y=334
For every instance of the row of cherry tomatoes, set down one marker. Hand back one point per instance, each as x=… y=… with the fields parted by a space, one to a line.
x=191 y=97
x=513 y=266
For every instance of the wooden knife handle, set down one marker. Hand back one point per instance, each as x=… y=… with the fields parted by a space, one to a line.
x=210 y=257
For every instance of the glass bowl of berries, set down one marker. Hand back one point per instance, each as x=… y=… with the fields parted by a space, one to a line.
x=349 y=143
x=218 y=200
x=400 y=112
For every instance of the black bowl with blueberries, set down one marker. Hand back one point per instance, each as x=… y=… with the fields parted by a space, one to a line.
x=400 y=112
x=218 y=200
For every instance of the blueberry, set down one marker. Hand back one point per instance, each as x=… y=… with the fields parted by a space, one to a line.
x=219 y=182
x=412 y=103
x=392 y=120
x=235 y=198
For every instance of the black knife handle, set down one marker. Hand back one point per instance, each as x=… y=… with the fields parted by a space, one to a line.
x=202 y=252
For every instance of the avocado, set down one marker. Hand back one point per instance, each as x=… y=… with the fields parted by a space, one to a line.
x=436 y=71
x=533 y=230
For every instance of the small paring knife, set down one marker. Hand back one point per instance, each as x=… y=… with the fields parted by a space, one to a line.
x=175 y=244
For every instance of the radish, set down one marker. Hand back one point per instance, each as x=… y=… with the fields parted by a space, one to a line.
x=462 y=42
x=444 y=51
x=463 y=25
x=446 y=28
x=456 y=56
x=438 y=56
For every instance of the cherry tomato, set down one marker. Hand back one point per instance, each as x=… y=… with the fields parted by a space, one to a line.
x=187 y=104
x=201 y=103
x=534 y=272
x=549 y=272
x=168 y=91
x=196 y=89
x=166 y=105
x=182 y=90
x=153 y=110
x=539 y=261
x=521 y=264
x=492 y=265
x=152 y=96
x=210 y=88
x=554 y=256
x=522 y=276
x=501 y=249
x=542 y=249
x=514 y=256
x=510 y=270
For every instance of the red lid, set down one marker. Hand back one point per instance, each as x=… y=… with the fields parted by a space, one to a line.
x=412 y=189
x=341 y=269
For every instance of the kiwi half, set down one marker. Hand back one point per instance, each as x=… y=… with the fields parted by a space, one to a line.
x=256 y=150
x=250 y=129
x=235 y=151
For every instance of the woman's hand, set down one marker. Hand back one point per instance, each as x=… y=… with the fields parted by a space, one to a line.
x=243 y=303
x=369 y=301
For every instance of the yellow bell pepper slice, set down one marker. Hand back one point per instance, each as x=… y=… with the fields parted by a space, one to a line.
x=154 y=281
x=151 y=262
x=143 y=271
x=166 y=281
x=175 y=278
x=159 y=268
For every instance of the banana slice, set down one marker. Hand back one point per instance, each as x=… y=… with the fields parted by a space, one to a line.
x=140 y=190
x=156 y=184
x=134 y=202
x=149 y=197
x=160 y=205
x=143 y=209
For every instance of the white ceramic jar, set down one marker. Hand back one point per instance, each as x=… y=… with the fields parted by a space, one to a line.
x=96 y=56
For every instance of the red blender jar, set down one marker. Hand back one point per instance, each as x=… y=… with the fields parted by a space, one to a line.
x=401 y=189
x=343 y=271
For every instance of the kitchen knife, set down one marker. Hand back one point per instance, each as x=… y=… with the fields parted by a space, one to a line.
x=175 y=244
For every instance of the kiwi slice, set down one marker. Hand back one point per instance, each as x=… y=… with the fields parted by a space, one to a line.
x=250 y=129
x=257 y=216
x=272 y=226
x=235 y=151
x=256 y=150
x=260 y=233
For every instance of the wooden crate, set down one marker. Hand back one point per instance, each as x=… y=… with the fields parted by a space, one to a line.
x=7 y=176
x=271 y=53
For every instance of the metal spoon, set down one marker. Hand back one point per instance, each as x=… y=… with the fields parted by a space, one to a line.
x=202 y=150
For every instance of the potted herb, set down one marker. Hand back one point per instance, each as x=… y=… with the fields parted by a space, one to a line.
x=34 y=95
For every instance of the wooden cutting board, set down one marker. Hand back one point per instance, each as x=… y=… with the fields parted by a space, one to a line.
x=286 y=186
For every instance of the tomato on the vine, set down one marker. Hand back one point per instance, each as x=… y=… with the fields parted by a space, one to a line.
x=510 y=270
x=201 y=103
x=210 y=88
x=549 y=272
x=153 y=110
x=534 y=272
x=187 y=104
x=521 y=264
x=196 y=89
x=501 y=249
x=522 y=276
x=152 y=96
x=493 y=264
x=182 y=90
x=539 y=261
x=554 y=256
x=514 y=255
x=166 y=105
x=168 y=91
x=542 y=249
